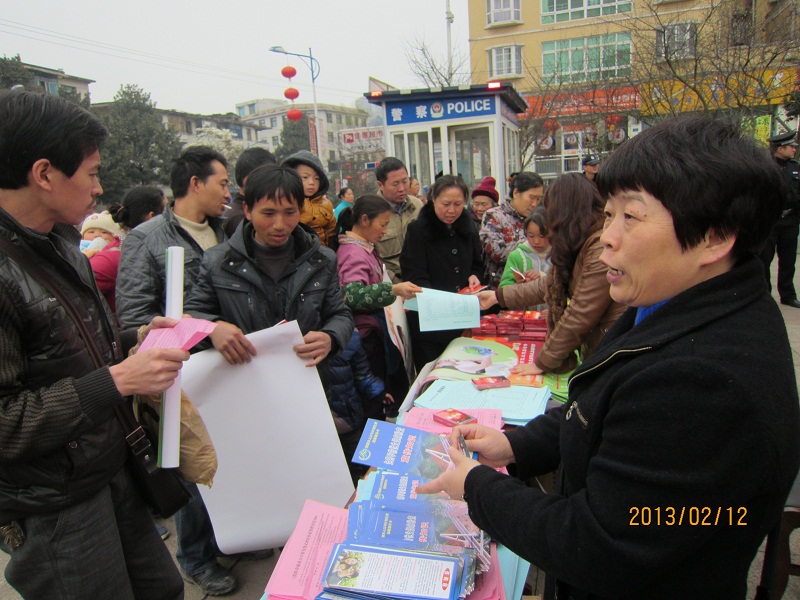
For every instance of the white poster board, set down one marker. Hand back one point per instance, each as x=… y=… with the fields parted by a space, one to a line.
x=275 y=440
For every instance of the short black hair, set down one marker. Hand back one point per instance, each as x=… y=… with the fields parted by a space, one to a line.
x=446 y=182
x=685 y=163
x=274 y=183
x=527 y=180
x=194 y=161
x=137 y=203
x=342 y=192
x=249 y=160
x=36 y=126
x=386 y=166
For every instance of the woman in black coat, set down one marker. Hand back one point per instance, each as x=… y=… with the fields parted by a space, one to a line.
x=441 y=251
x=678 y=445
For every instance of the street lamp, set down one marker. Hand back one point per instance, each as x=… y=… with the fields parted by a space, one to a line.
x=313 y=64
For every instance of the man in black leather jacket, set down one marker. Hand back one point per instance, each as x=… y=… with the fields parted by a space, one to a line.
x=71 y=518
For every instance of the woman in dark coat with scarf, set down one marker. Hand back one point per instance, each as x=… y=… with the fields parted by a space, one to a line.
x=441 y=251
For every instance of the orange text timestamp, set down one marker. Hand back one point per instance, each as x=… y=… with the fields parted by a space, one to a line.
x=673 y=516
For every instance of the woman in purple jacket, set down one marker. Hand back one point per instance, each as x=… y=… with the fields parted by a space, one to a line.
x=361 y=274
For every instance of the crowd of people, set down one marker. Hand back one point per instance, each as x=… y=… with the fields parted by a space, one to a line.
x=645 y=267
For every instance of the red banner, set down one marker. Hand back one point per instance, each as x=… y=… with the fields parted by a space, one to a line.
x=591 y=102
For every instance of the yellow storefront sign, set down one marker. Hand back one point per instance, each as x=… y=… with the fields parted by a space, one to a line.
x=716 y=92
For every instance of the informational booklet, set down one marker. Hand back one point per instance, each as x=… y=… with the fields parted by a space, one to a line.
x=432 y=524
x=403 y=449
x=391 y=573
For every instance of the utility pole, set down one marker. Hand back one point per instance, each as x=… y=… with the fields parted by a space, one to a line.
x=449 y=18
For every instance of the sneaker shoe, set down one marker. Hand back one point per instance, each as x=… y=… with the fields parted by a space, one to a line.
x=162 y=531
x=213 y=580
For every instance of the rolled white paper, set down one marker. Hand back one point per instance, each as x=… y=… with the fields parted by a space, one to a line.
x=169 y=446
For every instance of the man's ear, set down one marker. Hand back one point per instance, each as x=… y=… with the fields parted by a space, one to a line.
x=41 y=174
x=248 y=215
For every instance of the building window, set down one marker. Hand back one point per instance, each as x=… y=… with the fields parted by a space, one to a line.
x=330 y=137
x=587 y=59
x=505 y=61
x=329 y=117
x=339 y=119
x=273 y=121
x=502 y=11
x=188 y=127
x=676 y=41
x=348 y=120
x=251 y=109
x=558 y=11
x=262 y=122
x=242 y=111
x=276 y=141
x=741 y=29
x=249 y=135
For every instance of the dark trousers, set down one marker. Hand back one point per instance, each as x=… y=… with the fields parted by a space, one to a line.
x=197 y=546
x=104 y=547
x=783 y=239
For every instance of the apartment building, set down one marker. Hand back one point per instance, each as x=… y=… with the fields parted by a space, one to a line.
x=270 y=116
x=51 y=80
x=594 y=72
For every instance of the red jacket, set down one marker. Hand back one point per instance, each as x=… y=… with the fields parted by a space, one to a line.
x=105 y=265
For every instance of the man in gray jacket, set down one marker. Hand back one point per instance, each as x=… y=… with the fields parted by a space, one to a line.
x=199 y=183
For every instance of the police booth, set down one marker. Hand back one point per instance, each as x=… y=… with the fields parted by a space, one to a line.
x=471 y=131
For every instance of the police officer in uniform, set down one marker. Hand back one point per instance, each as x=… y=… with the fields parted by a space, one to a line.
x=783 y=236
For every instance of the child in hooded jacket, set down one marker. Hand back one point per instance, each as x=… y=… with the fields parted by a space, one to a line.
x=317 y=210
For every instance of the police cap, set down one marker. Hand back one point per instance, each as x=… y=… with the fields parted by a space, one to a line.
x=783 y=139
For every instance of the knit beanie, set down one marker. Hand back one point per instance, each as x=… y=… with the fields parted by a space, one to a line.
x=487 y=188
x=304 y=157
x=103 y=221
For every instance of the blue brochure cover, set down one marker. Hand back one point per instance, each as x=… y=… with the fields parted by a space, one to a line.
x=403 y=449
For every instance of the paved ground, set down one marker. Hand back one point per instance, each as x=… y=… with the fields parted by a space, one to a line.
x=253 y=575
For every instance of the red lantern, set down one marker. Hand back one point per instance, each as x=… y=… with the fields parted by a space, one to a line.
x=294 y=114
x=288 y=71
x=291 y=93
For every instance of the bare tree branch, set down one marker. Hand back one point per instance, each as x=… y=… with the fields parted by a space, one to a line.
x=433 y=70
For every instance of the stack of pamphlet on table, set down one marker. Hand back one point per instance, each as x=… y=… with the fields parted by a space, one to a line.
x=395 y=544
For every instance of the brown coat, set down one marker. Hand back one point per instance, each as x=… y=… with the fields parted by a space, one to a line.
x=317 y=213
x=590 y=314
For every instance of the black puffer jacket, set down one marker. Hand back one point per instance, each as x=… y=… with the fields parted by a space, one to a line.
x=438 y=257
x=232 y=288
x=141 y=283
x=59 y=440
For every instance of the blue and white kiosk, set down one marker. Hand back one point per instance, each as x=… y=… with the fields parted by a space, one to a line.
x=468 y=130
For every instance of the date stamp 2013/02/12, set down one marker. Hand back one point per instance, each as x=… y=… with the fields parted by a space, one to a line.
x=673 y=516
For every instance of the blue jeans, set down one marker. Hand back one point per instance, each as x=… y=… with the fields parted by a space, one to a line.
x=104 y=547
x=197 y=546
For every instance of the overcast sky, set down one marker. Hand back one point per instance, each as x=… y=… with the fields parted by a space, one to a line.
x=204 y=57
